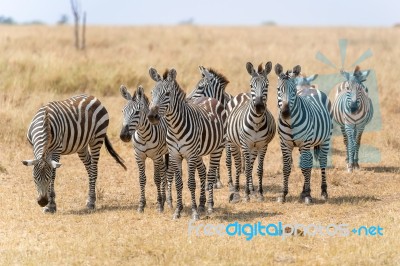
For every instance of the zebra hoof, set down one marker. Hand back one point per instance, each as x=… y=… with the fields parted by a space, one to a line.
x=246 y=198
x=281 y=199
x=356 y=166
x=349 y=168
x=169 y=203
x=210 y=209
x=176 y=216
x=308 y=200
x=234 y=198
x=231 y=187
x=90 y=206
x=140 y=209
x=324 y=196
x=50 y=209
x=201 y=209
x=160 y=208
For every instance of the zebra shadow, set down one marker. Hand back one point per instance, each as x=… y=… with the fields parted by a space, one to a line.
x=351 y=199
x=102 y=209
x=229 y=216
x=381 y=169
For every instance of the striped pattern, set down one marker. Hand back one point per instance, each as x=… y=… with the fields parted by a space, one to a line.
x=195 y=129
x=212 y=84
x=65 y=127
x=149 y=141
x=305 y=121
x=352 y=111
x=250 y=128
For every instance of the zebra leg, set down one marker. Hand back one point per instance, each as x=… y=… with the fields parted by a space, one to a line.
x=142 y=182
x=306 y=166
x=192 y=164
x=234 y=197
x=287 y=168
x=86 y=158
x=323 y=157
x=51 y=207
x=260 y=173
x=359 y=132
x=177 y=165
x=215 y=158
x=250 y=158
x=201 y=168
x=350 y=146
x=159 y=172
x=342 y=129
x=94 y=154
x=170 y=177
x=217 y=184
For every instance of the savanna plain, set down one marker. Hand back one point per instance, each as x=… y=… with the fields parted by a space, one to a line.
x=39 y=64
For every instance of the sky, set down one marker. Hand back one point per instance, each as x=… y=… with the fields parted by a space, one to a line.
x=211 y=12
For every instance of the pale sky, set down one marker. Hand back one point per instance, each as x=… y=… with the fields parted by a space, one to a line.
x=211 y=12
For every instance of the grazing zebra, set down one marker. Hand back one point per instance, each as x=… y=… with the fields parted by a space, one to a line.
x=352 y=110
x=65 y=127
x=212 y=84
x=251 y=127
x=195 y=129
x=304 y=122
x=149 y=141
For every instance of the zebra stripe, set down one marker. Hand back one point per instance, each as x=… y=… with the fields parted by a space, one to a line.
x=305 y=121
x=65 y=127
x=251 y=127
x=149 y=141
x=352 y=111
x=212 y=84
x=195 y=129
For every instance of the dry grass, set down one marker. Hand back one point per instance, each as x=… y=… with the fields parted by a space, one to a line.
x=39 y=64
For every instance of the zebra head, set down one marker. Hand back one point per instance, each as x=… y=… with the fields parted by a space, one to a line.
x=212 y=84
x=286 y=89
x=304 y=81
x=134 y=111
x=42 y=172
x=259 y=86
x=162 y=94
x=355 y=89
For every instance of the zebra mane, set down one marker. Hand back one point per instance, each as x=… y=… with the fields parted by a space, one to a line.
x=260 y=68
x=219 y=75
x=46 y=126
x=165 y=75
x=145 y=98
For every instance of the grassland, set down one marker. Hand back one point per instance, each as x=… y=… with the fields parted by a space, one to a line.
x=39 y=64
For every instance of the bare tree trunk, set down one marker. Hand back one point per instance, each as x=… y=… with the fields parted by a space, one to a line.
x=75 y=11
x=83 y=46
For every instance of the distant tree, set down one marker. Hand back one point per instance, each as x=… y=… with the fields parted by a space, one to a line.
x=189 y=21
x=63 y=20
x=269 y=23
x=76 y=11
x=7 y=20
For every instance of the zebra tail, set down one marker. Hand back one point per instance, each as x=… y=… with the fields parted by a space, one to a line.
x=317 y=150
x=114 y=153
x=166 y=160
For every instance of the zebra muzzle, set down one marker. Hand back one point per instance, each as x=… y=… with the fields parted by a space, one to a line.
x=285 y=111
x=153 y=115
x=259 y=105
x=42 y=201
x=124 y=135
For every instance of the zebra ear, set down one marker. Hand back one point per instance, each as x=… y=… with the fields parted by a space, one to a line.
x=206 y=73
x=154 y=75
x=140 y=92
x=171 y=75
x=30 y=162
x=250 y=69
x=311 y=78
x=268 y=67
x=125 y=94
x=297 y=70
x=278 y=69
x=361 y=76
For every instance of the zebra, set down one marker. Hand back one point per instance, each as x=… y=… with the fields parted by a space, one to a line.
x=74 y=125
x=304 y=122
x=352 y=111
x=149 y=141
x=251 y=127
x=195 y=129
x=212 y=84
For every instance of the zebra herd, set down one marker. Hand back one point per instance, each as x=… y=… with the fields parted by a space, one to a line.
x=173 y=126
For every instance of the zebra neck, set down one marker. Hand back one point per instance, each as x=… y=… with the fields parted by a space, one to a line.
x=145 y=130
x=254 y=117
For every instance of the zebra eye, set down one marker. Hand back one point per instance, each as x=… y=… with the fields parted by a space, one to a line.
x=167 y=93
